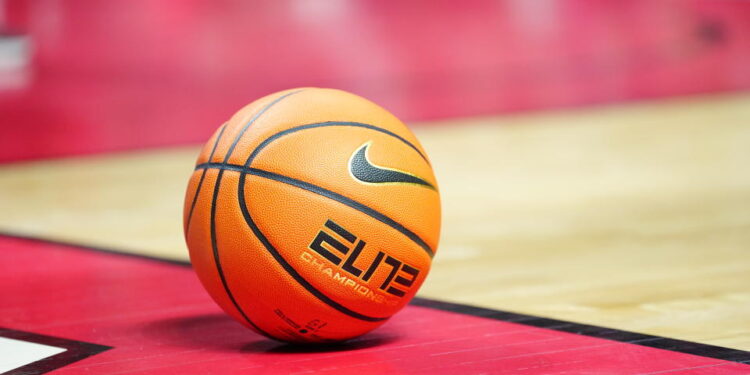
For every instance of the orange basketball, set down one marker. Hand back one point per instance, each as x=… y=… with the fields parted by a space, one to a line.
x=312 y=215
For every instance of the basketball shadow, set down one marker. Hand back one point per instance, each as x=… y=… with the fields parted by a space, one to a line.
x=367 y=341
x=219 y=332
x=206 y=331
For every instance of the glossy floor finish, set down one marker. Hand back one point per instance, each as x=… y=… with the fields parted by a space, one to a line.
x=119 y=75
x=151 y=317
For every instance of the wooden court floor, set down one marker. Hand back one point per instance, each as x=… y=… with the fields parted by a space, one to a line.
x=634 y=216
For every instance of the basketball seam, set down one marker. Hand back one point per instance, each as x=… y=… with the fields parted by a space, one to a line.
x=214 y=245
x=310 y=187
x=411 y=235
x=288 y=267
x=321 y=191
x=282 y=133
x=217 y=260
x=200 y=182
x=252 y=120
x=325 y=193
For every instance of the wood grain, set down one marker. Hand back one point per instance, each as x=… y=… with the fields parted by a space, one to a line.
x=634 y=216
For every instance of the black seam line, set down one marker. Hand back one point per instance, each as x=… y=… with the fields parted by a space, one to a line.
x=328 y=194
x=325 y=124
x=214 y=245
x=252 y=120
x=288 y=267
x=673 y=345
x=217 y=259
x=203 y=176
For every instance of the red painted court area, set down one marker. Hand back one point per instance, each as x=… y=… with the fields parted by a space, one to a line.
x=156 y=319
x=118 y=75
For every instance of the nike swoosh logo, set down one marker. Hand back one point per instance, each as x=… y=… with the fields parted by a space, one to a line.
x=363 y=170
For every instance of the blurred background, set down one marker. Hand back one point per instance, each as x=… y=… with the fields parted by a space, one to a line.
x=592 y=155
x=91 y=76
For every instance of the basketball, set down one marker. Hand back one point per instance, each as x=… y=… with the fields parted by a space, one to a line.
x=312 y=215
